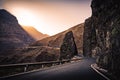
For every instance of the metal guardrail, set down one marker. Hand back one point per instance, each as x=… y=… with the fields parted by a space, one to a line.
x=24 y=67
x=22 y=64
x=38 y=63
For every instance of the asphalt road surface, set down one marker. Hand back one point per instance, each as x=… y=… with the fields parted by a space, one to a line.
x=79 y=70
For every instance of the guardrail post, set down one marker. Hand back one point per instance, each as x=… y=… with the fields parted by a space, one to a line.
x=25 y=68
x=60 y=63
x=42 y=65
x=53 y=64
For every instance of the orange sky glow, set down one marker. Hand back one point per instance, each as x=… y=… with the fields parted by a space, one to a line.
x=49 y=16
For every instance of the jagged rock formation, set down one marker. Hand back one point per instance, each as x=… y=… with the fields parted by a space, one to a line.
x=102 y=34
x=57 y=40
x=34 y=33
x=68 y=48
x=12 y=35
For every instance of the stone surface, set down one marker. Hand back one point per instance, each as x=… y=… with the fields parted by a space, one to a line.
x=68 y=48
x=102 y=34
x=12 y=35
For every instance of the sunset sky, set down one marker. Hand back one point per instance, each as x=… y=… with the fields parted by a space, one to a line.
x=49 y=16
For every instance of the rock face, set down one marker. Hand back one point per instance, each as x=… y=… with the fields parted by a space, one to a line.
x=68 y=48
x=102 y=34
x=57 y=40
x=12 y=35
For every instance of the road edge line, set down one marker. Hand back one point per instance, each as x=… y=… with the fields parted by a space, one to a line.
x=99 y=72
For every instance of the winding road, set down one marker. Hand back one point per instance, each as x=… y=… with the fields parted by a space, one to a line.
x=80 y=70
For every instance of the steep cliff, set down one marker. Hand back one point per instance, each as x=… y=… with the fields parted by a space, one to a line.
x=12 y=35
x=68 y=48
x=102 y=34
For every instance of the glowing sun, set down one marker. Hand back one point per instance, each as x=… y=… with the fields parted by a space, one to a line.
x=26 y=18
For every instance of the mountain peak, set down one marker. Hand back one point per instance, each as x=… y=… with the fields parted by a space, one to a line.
x=11 y=33
x=6 y=16
x=3 y=10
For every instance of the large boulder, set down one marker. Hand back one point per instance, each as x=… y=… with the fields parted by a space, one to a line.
x=68 y=48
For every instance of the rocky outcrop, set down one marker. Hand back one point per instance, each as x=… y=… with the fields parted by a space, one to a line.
x=68 y=48
x=102 y=34
x=57 y=40
x=12 y=35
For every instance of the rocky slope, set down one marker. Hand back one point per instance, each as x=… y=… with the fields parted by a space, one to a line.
x=68 y=48
x=28 y=54
x=102 y=35
x=34 y=33
x=13 y=41
x=31 y=54
x=12 y=35
x=56 y=40
x=43 y=50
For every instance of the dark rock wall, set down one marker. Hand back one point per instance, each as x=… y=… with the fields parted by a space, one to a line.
x=68 y=48
x=102 y=34
x=12 y=35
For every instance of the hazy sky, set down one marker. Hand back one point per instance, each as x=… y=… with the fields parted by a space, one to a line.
x=49 y=16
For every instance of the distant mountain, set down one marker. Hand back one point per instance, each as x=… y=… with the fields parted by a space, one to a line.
x=12 y=35
x=56 y=40
x=34 y=33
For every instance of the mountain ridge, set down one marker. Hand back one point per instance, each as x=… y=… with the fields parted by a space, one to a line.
x=34 y=33
x=12 y=35
x=56 y=40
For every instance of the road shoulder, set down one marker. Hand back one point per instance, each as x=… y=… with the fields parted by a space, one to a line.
x=100 y=71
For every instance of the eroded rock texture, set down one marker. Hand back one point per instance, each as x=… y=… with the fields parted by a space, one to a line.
x=102 y=34
x=12 y=35
x=68 y=48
